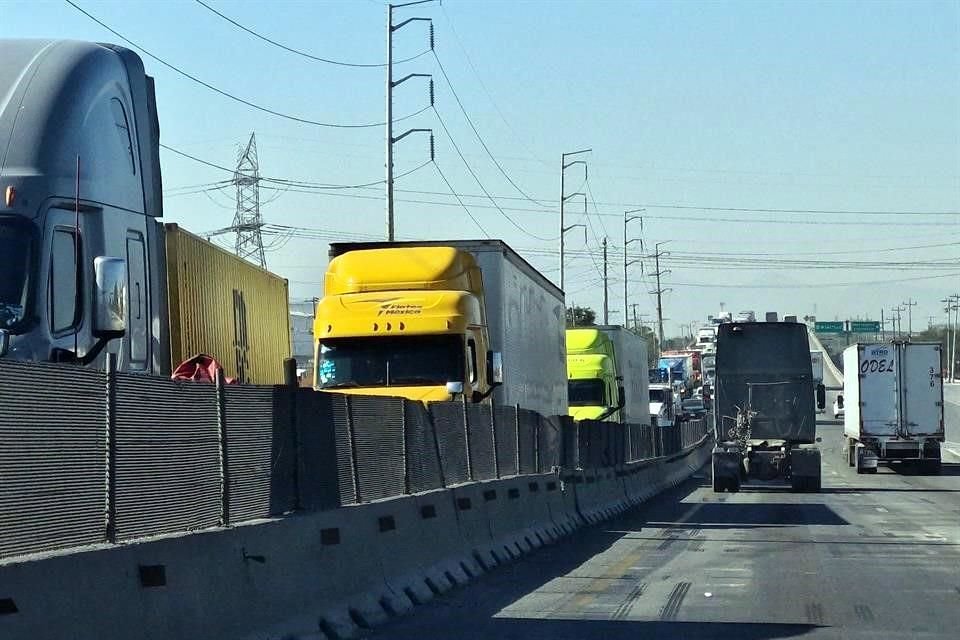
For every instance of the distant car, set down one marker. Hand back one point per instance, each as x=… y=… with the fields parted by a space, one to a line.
x=838 y=407
x=693 y=408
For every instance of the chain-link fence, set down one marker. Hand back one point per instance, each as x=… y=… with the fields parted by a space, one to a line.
x=89 y=457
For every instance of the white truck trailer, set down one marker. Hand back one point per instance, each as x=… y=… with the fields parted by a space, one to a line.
x=631 y=356
x=893 y=403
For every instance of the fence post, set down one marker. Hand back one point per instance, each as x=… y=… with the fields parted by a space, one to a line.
x=404 y=453
x=466 y=439
x=436 y=447
x=222 y=449
x=516 y=421
x=536 y=444
x=297 y=453
x=493 y=437
x=110 y=515
x=354 y=470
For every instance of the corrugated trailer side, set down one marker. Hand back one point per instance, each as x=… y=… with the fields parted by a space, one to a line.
x=525 y=320
x=225 y=307
x=631 y=354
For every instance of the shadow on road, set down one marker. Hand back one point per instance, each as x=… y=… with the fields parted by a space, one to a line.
x=536 y=629
x=946 y=469
x=496 y=604
x=725 y=515
x=848 y=490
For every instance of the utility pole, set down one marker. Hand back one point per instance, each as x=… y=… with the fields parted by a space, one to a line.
x=956 y=325
x=659 y=290
x=627 y=262
x=910 y=304
x=883 y=336
x=564 y=165
x=390 y=140
x=606 y=291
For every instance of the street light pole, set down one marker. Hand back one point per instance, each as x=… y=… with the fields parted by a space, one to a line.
x=660 y=290
x=626 y=263
x=390 y=140
x=564 y=165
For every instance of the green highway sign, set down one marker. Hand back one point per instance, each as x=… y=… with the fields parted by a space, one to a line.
x=864 y=326
x=828 y=327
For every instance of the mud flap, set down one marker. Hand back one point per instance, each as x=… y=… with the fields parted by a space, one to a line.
x=727 y=466
x=805 y=469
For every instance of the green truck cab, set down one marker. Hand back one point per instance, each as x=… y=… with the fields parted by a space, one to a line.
x=593 y=387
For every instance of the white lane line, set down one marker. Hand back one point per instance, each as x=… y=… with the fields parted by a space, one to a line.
x=881 y=510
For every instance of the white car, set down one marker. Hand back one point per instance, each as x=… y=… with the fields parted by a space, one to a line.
x=838 y=407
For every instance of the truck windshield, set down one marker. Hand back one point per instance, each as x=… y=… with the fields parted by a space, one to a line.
x=390 y=361
x=585 y=393
x=15 y=261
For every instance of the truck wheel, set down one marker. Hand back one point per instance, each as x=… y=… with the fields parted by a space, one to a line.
x=858 y=454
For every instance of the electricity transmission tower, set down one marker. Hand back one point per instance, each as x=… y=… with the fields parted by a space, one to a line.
x=247 y=221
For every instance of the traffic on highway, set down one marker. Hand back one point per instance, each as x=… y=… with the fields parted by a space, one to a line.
x=275 y=365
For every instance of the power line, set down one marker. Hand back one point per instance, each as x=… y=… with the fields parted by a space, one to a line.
x=483 y=86
x=456 y=147
x=731 y=209
x=286 y=181
x=298 y=51
x=447 y=182
x=502 y=209
x=229 y=95
x=483 y=144
x=811 y=286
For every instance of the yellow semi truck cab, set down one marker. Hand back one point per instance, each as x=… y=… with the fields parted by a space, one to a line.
x=405 y=321
x=593 y=386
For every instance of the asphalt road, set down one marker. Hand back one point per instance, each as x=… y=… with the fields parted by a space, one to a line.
x=872 y=556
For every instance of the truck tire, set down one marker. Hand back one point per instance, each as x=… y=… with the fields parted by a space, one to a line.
x=851 y=453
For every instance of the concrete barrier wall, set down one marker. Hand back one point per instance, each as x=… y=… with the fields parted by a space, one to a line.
x=315 y=575
x=951 y=422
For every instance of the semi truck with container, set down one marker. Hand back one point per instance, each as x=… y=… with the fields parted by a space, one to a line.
x=893 y=405
x=89 y=267
x=764 y=407
x=605 y=367
x=441 y=320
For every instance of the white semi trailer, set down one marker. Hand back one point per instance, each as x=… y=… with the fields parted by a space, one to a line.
x=893 y=404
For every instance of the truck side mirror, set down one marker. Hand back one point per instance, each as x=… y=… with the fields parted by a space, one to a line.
x=840 y=401
x=110 y=302
x=494 y=367
x=821 y=396
x=4 y=342
x=621 y=397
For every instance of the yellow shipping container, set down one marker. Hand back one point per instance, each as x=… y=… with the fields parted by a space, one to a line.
x=223 y=306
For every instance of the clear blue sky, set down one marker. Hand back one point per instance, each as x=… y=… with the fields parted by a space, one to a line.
x=851 y=106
